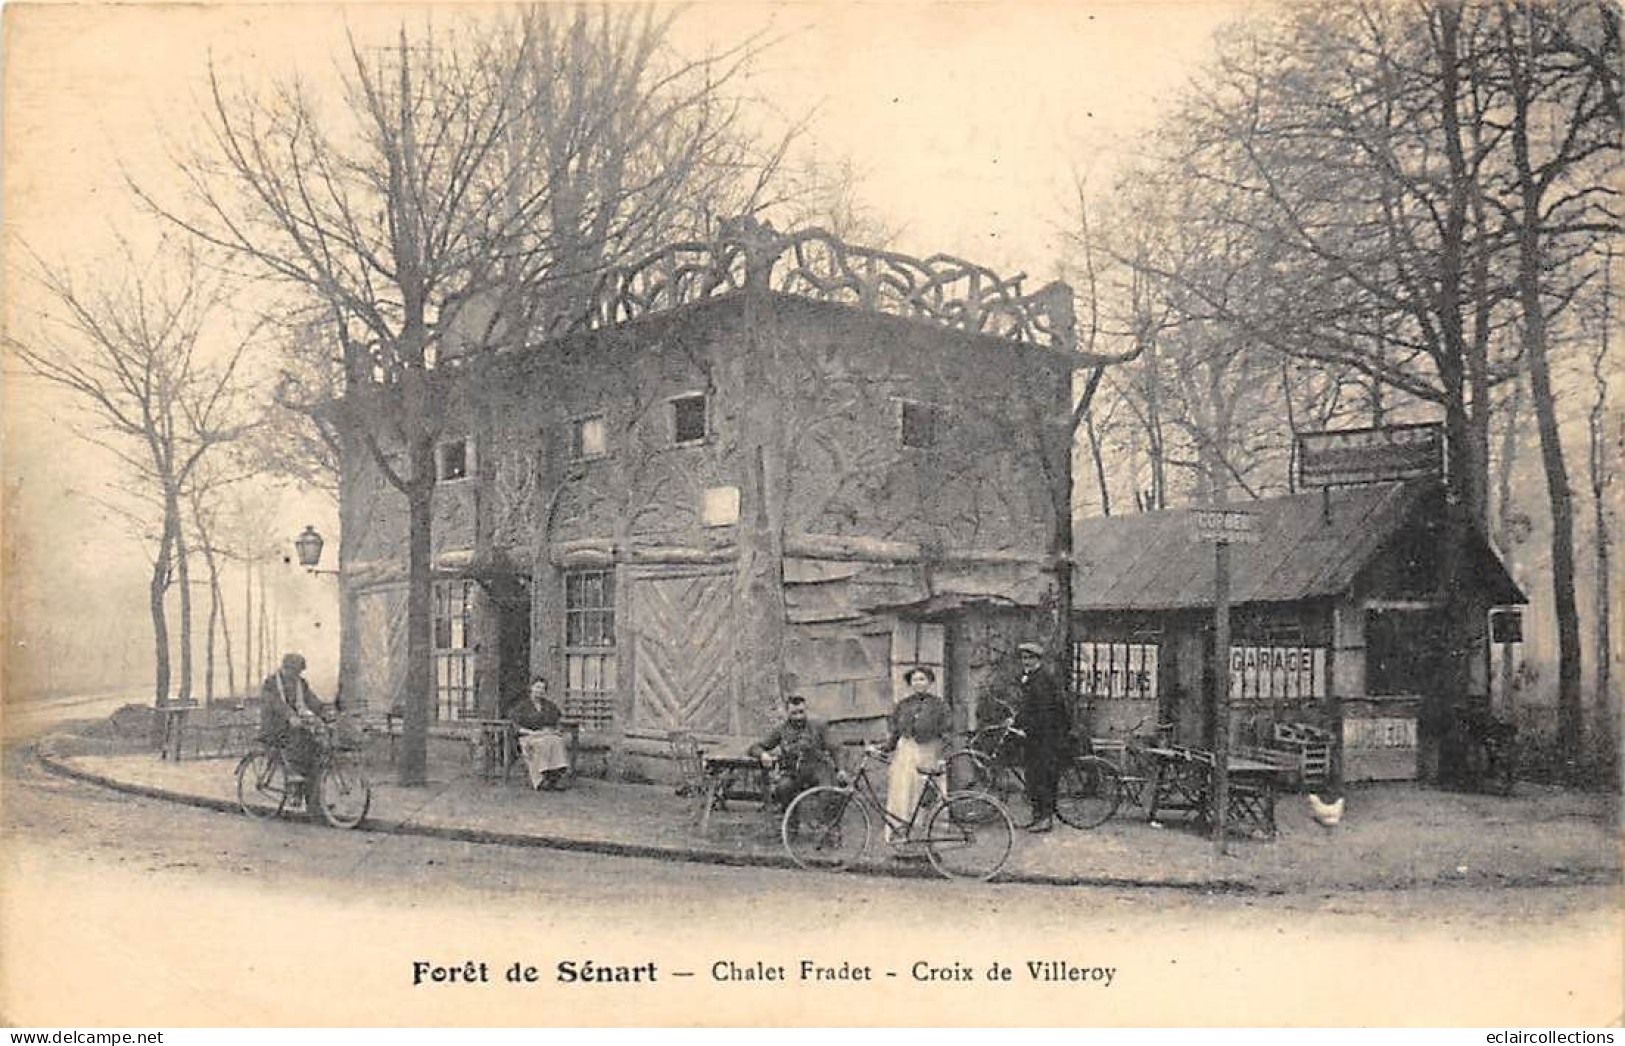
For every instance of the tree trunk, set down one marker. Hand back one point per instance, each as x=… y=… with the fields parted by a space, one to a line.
x=265 y=632
x=1605 y=725
x=208 y=642
x=1561 y=501
x=160 y=623
x=225 y=638
x=1600 y=459
x=419 y=703
x=250 y=677
x=1531 y=256
x=1098 y=457
x=1465 y=483
x=759 y=575
x=1505 y=527
x=183 y=575
x=1154 y=433
x=206 y=545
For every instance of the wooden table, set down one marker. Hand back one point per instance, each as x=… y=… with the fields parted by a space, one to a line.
x=1183 y=782
x=732 y=776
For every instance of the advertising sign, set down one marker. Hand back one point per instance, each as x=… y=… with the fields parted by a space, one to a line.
x=1351 y=456
x=1277 y=673
x=1115 y=671
x=1232 y=526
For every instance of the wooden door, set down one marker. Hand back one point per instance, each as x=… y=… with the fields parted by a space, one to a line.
x=684 y=654
x=380 y=625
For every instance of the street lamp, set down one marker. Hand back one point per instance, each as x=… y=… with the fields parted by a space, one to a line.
x=309 y=547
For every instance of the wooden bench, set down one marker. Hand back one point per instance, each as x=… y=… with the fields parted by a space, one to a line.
x=493 y=748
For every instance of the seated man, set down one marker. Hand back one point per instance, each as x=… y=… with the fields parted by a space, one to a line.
x=541 y=743
x=289 y=709
x=797 y=753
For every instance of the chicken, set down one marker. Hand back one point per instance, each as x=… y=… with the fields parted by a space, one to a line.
x=1327 y=815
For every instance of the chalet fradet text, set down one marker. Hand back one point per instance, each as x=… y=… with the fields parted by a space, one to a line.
x=746 y=972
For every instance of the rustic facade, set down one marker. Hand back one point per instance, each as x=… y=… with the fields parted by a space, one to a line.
x=1336 y=621
x=764 y=458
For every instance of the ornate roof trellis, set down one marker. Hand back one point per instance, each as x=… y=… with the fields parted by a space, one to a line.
x=813 y=264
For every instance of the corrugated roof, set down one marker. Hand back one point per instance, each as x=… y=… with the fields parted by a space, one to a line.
x=1153 y=560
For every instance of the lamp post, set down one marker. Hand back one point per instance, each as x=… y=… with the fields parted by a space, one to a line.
x=309 y=546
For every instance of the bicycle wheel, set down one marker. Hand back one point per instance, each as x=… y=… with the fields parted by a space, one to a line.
x=825 y=828
x=342 y=795
x=1088 y=792
x=262 y=784
x=970 y=836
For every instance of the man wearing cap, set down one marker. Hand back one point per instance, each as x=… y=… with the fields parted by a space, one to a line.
x=798 y=752
x=288 y=709
x=1042 y=714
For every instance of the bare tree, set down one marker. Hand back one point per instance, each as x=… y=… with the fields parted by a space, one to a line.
x=133 y=345
x=452 y=206
x=1605 y=434
x=1564 y=135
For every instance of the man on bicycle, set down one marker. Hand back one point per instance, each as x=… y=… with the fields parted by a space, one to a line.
x=289 y=709
x=798 y=752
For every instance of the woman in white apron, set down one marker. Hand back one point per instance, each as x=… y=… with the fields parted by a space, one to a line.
x=918 y=725
x=541 y=743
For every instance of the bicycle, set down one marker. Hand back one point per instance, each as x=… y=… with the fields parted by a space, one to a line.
x=1087 y=790
x=336 y=789
x=968 y=835
x=1129 y=753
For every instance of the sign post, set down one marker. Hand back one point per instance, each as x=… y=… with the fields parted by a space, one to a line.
x=1223 y=526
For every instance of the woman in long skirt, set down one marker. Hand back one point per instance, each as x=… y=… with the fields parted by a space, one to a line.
x=541 y=743
x=918 y=725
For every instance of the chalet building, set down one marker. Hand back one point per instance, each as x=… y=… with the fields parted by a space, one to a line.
x=1337 y=621
x=764 y=457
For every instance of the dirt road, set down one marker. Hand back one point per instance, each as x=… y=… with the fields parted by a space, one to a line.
x=134 y=912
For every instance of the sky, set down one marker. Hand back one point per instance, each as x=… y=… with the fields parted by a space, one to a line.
x=965 y=120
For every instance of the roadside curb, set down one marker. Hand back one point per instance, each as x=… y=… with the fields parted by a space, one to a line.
x=62 y=767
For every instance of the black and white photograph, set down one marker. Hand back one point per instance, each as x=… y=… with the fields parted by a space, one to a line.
x=836 y=514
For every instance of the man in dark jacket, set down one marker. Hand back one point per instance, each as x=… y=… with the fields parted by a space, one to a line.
x=1042 y=714
x=289 y=709
x=798 y=752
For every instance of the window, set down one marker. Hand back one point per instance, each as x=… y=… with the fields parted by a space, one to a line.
x=451 y=460
x=1400 y=651
x=688 y=419
x=589 y=647
x=454 y=650
x=916 y=643
x=720 y=508
x=917 y=424
x=589 y=437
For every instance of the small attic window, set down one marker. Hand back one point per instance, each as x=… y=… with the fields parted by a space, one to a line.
x=688 y=418
x=451 y=460
x=588 y=438
x=917 y=423
x=720 y=506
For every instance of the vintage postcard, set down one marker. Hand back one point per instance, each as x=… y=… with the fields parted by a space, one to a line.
x=806 y=514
